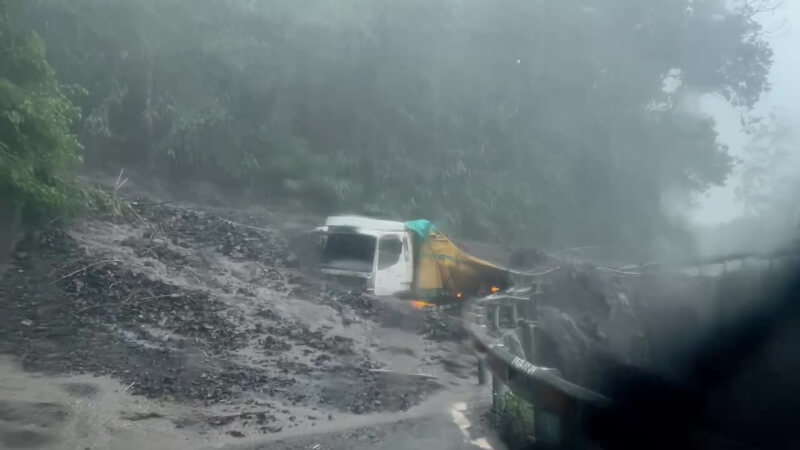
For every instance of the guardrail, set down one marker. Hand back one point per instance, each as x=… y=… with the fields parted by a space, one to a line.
x=558 y=405
x=770 y=258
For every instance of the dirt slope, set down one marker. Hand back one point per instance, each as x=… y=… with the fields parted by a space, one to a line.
x=206 y=321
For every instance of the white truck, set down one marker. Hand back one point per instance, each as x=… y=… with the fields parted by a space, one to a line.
x=379 y=251
x=404 y=259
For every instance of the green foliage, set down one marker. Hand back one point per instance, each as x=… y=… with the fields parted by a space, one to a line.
x=528 y=122
x=516 y=421
x=37 y=149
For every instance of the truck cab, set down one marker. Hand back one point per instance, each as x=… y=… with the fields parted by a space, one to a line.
x=379 y=252
x=408 y=260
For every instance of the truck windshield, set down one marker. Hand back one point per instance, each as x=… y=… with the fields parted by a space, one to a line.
x=349 y=251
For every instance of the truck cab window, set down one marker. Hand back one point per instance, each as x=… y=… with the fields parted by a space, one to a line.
x=349 y=251
x=389 y=250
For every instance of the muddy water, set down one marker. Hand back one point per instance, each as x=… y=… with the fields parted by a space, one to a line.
x=46 y=412
x=79 y=412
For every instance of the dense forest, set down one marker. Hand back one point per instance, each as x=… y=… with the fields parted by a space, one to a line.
x=535 y=122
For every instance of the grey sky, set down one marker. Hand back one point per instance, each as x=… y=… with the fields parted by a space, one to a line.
x=783 y=28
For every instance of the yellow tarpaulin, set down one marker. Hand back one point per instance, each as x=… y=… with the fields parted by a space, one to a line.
x=446 y=270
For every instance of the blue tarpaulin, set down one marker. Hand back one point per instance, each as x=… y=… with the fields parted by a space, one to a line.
x=422 y=227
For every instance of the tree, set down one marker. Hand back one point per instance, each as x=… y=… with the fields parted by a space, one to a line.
x=536 y=122
x=770 y=180
x=768 y=186
x=37 y=149
x=771 y=162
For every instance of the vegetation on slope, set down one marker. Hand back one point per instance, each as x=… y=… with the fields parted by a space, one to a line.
x=532 y=122
x=37 y=149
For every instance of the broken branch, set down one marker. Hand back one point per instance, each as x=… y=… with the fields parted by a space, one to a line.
x=85 y=268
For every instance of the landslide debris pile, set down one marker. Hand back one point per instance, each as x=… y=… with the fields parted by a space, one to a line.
x=183 y=305
x=188 y=228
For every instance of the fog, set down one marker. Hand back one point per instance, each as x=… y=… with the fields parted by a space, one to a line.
x=536 y=124
x=721 y=208
x=783 y=24
x=164 y=162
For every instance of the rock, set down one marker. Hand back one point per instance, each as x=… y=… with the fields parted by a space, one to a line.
x=134 y=322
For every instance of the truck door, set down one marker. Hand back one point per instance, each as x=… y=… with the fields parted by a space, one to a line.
x=394 y=268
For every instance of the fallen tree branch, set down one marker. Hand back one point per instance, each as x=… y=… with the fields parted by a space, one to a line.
x=405 y=374
x=87 y=267
x=139 y=301
x=244 y=414
x=128 y=302
x=135 y=417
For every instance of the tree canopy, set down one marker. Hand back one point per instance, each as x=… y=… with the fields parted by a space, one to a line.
x=528 y=121
x=37 y=149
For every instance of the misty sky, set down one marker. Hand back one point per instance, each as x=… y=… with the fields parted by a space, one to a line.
x=783 y=28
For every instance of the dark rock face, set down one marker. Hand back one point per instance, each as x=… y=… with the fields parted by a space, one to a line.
x=594 y=319
x=586 y=320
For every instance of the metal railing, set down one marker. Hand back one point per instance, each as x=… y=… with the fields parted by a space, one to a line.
x=506 y=334
x=557 y=405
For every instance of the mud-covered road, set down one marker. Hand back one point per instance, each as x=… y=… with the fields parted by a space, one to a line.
x=176 y=326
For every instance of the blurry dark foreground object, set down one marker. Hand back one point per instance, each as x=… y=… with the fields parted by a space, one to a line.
x=740 y=389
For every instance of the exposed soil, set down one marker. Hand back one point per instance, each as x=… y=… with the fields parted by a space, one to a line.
x=212 y=319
